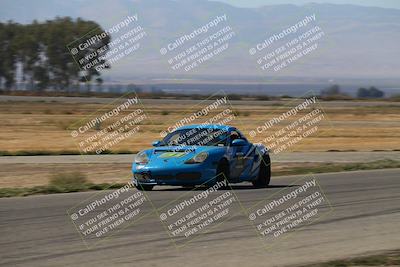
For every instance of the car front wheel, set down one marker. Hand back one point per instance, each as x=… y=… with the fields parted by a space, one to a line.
x=264 y=175
x=222 y=172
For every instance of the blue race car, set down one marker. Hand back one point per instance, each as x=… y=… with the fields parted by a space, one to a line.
x=202 y=155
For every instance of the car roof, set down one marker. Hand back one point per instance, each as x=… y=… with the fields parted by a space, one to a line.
x=207 y=126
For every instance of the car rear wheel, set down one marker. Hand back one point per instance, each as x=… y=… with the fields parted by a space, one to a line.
x=144 y=187
x=264 y=175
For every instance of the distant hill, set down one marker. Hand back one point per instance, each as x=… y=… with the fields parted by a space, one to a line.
x=359 y=42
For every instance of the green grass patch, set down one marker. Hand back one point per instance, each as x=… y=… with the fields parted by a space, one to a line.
x=59 y=183
x=340 y=167
x=391 y=258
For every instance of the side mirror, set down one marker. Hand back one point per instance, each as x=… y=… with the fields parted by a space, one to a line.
x=239 y=142
x=156 y=143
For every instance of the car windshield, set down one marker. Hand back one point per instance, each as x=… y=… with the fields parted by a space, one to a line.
x=196 y=137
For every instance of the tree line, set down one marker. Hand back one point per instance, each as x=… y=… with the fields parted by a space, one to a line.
x=335 y=91
x=38 y=53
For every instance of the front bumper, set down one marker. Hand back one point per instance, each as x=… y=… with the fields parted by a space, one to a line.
x=188 y=174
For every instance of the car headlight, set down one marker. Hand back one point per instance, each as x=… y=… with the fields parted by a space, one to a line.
x=199 y=158
x=141 y=158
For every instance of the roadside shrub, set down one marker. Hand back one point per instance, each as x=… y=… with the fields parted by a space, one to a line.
x=263 y=98
x=11 y=192
x=234 y=97
x=395 y=98
x=68 y=182
x=372 y=92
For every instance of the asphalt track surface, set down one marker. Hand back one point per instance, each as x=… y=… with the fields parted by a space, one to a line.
x=364 y=218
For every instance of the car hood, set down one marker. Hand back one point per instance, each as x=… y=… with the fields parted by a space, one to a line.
x=179 y=154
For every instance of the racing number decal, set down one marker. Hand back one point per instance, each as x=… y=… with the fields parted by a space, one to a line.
x=172 y=155
x=240 y=160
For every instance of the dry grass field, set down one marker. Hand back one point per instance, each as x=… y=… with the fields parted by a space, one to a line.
x=47 y=126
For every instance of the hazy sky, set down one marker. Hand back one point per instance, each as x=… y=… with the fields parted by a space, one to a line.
x=255 y=3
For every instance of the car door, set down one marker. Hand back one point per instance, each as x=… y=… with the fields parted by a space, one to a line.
x=241 y=156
